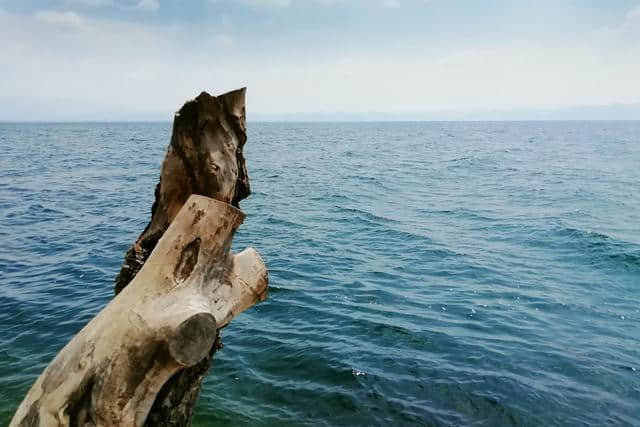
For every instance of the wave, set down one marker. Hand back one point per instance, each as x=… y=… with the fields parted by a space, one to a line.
x=599 y=247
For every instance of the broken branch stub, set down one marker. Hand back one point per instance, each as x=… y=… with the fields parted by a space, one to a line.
x=204 y=157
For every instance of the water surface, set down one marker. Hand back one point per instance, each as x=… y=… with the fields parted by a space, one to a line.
x=421 y=273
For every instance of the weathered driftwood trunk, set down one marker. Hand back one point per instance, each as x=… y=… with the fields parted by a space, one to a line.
x=204 y=157
x=143 y=358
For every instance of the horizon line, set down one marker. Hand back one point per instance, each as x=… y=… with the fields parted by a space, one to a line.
x=325 y=121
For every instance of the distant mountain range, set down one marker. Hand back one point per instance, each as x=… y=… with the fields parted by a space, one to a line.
x=605 y=112
x=23 y=109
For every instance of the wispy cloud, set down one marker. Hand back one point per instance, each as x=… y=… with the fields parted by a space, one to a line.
x=633 y=14
x=148 y=5
x=90 y=3
x=390 y=4
x=143 y=5
x=223 y=40
x=67 y=18
x=282 y=3
x=267 y=3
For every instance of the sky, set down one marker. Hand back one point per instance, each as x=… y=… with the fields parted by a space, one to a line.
x=141 y=59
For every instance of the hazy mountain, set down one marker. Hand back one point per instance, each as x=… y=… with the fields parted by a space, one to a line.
x=604 y=112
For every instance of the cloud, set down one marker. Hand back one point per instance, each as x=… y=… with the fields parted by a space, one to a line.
x=623 y=36
x=90 y=3
x=267 y=3
x=72 y=65
x=66 y=19
x=283 y=3
x=223 y=40
x=142 y=5
x=390 y=4
x=633 y=14
x=148 y=5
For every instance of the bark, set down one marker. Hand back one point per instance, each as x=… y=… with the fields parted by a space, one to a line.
x=142 y=360
x=204 y=157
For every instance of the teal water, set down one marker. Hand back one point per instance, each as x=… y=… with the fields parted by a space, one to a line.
x=421 y=273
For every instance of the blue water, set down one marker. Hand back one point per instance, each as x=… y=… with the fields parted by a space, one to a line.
x=421 y=273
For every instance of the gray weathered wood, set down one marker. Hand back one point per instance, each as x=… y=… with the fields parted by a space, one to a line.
x=164 y=321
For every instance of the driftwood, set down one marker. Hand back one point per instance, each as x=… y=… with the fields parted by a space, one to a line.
x=142 y=359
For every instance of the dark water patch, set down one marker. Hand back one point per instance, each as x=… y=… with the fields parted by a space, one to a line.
x=593 y=247
x=361 y=214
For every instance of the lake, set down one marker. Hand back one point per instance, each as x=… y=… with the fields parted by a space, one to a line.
x=436 y=273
